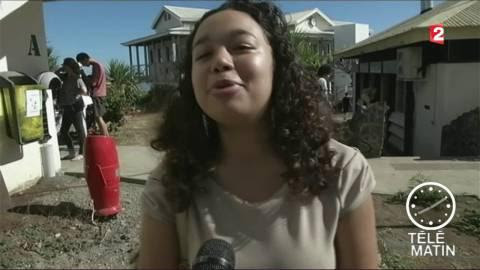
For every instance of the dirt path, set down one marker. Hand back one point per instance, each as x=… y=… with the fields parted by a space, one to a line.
x=139 y=129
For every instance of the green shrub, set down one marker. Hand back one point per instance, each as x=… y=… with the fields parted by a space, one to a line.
x=156 y=99
x=123 y=94
x=470 y=222
x=307 y=53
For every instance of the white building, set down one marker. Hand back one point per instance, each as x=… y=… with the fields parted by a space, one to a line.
x=161 y=51
x=426 y=85
x=23 y=48
x=348 y=34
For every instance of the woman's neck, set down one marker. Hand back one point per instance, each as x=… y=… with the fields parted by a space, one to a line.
x=248 y=160
x=245 y=144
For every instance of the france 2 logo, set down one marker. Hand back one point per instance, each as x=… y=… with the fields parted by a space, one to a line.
x=437 y=33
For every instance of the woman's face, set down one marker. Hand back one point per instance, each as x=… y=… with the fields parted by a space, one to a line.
x=232 y=68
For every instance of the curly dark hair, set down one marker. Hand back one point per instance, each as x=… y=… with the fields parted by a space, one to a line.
x=300 y=125
x=72 y=64
x=324 y=70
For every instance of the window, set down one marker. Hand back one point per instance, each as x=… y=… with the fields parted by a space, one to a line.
x=178 y=52
x=174 y=52
x=400 y=96
x=167 y=53
x=159 y=51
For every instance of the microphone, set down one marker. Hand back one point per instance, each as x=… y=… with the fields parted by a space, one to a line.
x=215 y=254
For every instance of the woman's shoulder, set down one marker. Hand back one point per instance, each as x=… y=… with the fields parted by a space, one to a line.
x=344 y=154
x=356 y=178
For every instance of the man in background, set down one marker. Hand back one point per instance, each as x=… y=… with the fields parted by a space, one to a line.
x=99 y=89
x=345 y=105
x=324 y=72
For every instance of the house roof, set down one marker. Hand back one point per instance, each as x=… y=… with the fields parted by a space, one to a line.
x=297 y=17
x=147 y=39
x=461 y=20
x=184 y=14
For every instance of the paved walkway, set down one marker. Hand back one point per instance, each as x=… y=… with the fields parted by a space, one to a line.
x=136 y=162
x=392 y=173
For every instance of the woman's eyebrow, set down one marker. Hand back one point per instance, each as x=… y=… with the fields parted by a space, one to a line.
x=200 y=41
x=240 y=32
x=232 y=34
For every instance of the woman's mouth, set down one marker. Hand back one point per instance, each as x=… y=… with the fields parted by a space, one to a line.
x=225 y=89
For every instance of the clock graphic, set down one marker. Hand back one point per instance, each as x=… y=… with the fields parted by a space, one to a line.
x=430 y=206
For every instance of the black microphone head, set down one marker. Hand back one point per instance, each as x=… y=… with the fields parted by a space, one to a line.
x=215 y=254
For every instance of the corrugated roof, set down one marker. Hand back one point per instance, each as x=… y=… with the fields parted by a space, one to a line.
x=450 y=13
x=193 y=14
x=187 y=14
x=297 y=17
x=184 y=14
x=467 y=17
x=172 y=31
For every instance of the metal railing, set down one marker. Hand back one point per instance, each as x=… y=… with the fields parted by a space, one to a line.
x=141 y=71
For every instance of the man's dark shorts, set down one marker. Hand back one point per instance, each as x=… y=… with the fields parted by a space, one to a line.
x=99 y=106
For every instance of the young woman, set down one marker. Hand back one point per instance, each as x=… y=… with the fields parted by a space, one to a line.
x=249 y=158
x=70 y=93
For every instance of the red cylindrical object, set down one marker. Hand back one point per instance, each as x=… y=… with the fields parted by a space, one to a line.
x=102 y=174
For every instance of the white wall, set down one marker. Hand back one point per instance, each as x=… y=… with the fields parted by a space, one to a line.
x=426 y=131
x=18 y=23
x=320 y=25
x=3 y=62
x=450 y=90
x=163 y=25
x=347 y=35
x=7 y=6
x=17 y=30
x=362 y=32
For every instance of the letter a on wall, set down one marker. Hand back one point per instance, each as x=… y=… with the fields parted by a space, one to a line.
x=34 y=46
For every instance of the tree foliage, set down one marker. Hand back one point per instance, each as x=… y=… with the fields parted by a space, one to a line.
x=123 y=92
x=307 y=52
x=53 y=59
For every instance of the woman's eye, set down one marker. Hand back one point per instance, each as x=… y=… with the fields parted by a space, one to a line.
x=244 y=47
x=202 y=55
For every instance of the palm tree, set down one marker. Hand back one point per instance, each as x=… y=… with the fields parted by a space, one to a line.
x=120 y=73
x=53 y=59
x=306 y=52
x=123 y=93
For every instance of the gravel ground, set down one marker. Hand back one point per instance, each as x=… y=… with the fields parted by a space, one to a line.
x=51 y=226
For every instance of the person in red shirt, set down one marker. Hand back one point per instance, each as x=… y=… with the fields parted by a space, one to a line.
x=99 y=89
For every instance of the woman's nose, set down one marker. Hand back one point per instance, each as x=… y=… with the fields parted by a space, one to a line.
x=222 y=61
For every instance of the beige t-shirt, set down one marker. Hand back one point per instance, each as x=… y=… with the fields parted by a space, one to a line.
x=277 y=233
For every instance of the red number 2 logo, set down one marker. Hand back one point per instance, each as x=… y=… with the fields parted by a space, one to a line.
x=437 y=34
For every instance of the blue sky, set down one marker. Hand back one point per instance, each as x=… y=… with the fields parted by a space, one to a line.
x=98 y=27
